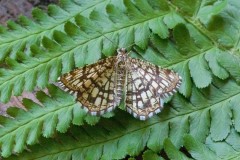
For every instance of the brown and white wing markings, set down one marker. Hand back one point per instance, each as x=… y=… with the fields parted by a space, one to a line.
x=147 y=85
x=93 y=85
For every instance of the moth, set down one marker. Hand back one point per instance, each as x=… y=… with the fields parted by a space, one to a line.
x=101 y=86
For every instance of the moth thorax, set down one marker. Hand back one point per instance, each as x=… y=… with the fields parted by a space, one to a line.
x=122 y=55
x=121 y=66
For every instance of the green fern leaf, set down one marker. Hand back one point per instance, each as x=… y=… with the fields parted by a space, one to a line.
x=200 y=72
x=212 y=56
x=20 y=37
x=57 y=114
x=172 y=152
x=189 y=44
x=226 y=149
x=124 y=135
x=231 y=64
x=197 y=149
x=151 y=155
x=67 y=49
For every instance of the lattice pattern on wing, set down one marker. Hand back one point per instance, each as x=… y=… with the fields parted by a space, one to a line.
x=165 y=81
x=94 y=86
x=147 y=86
x=99 y=87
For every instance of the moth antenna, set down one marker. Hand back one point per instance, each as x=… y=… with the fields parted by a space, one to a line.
x=115 y=42
x=129 y=52
x=131 y=45
x=107 y=38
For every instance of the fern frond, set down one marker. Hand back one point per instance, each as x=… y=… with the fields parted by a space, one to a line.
x=193 y=149
x=191 y=47
x=83 y=40
x=123 y=135
x=172 y=152
x=56 y=113
x=148 y=154
x=21 y=35
x=197 y=149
